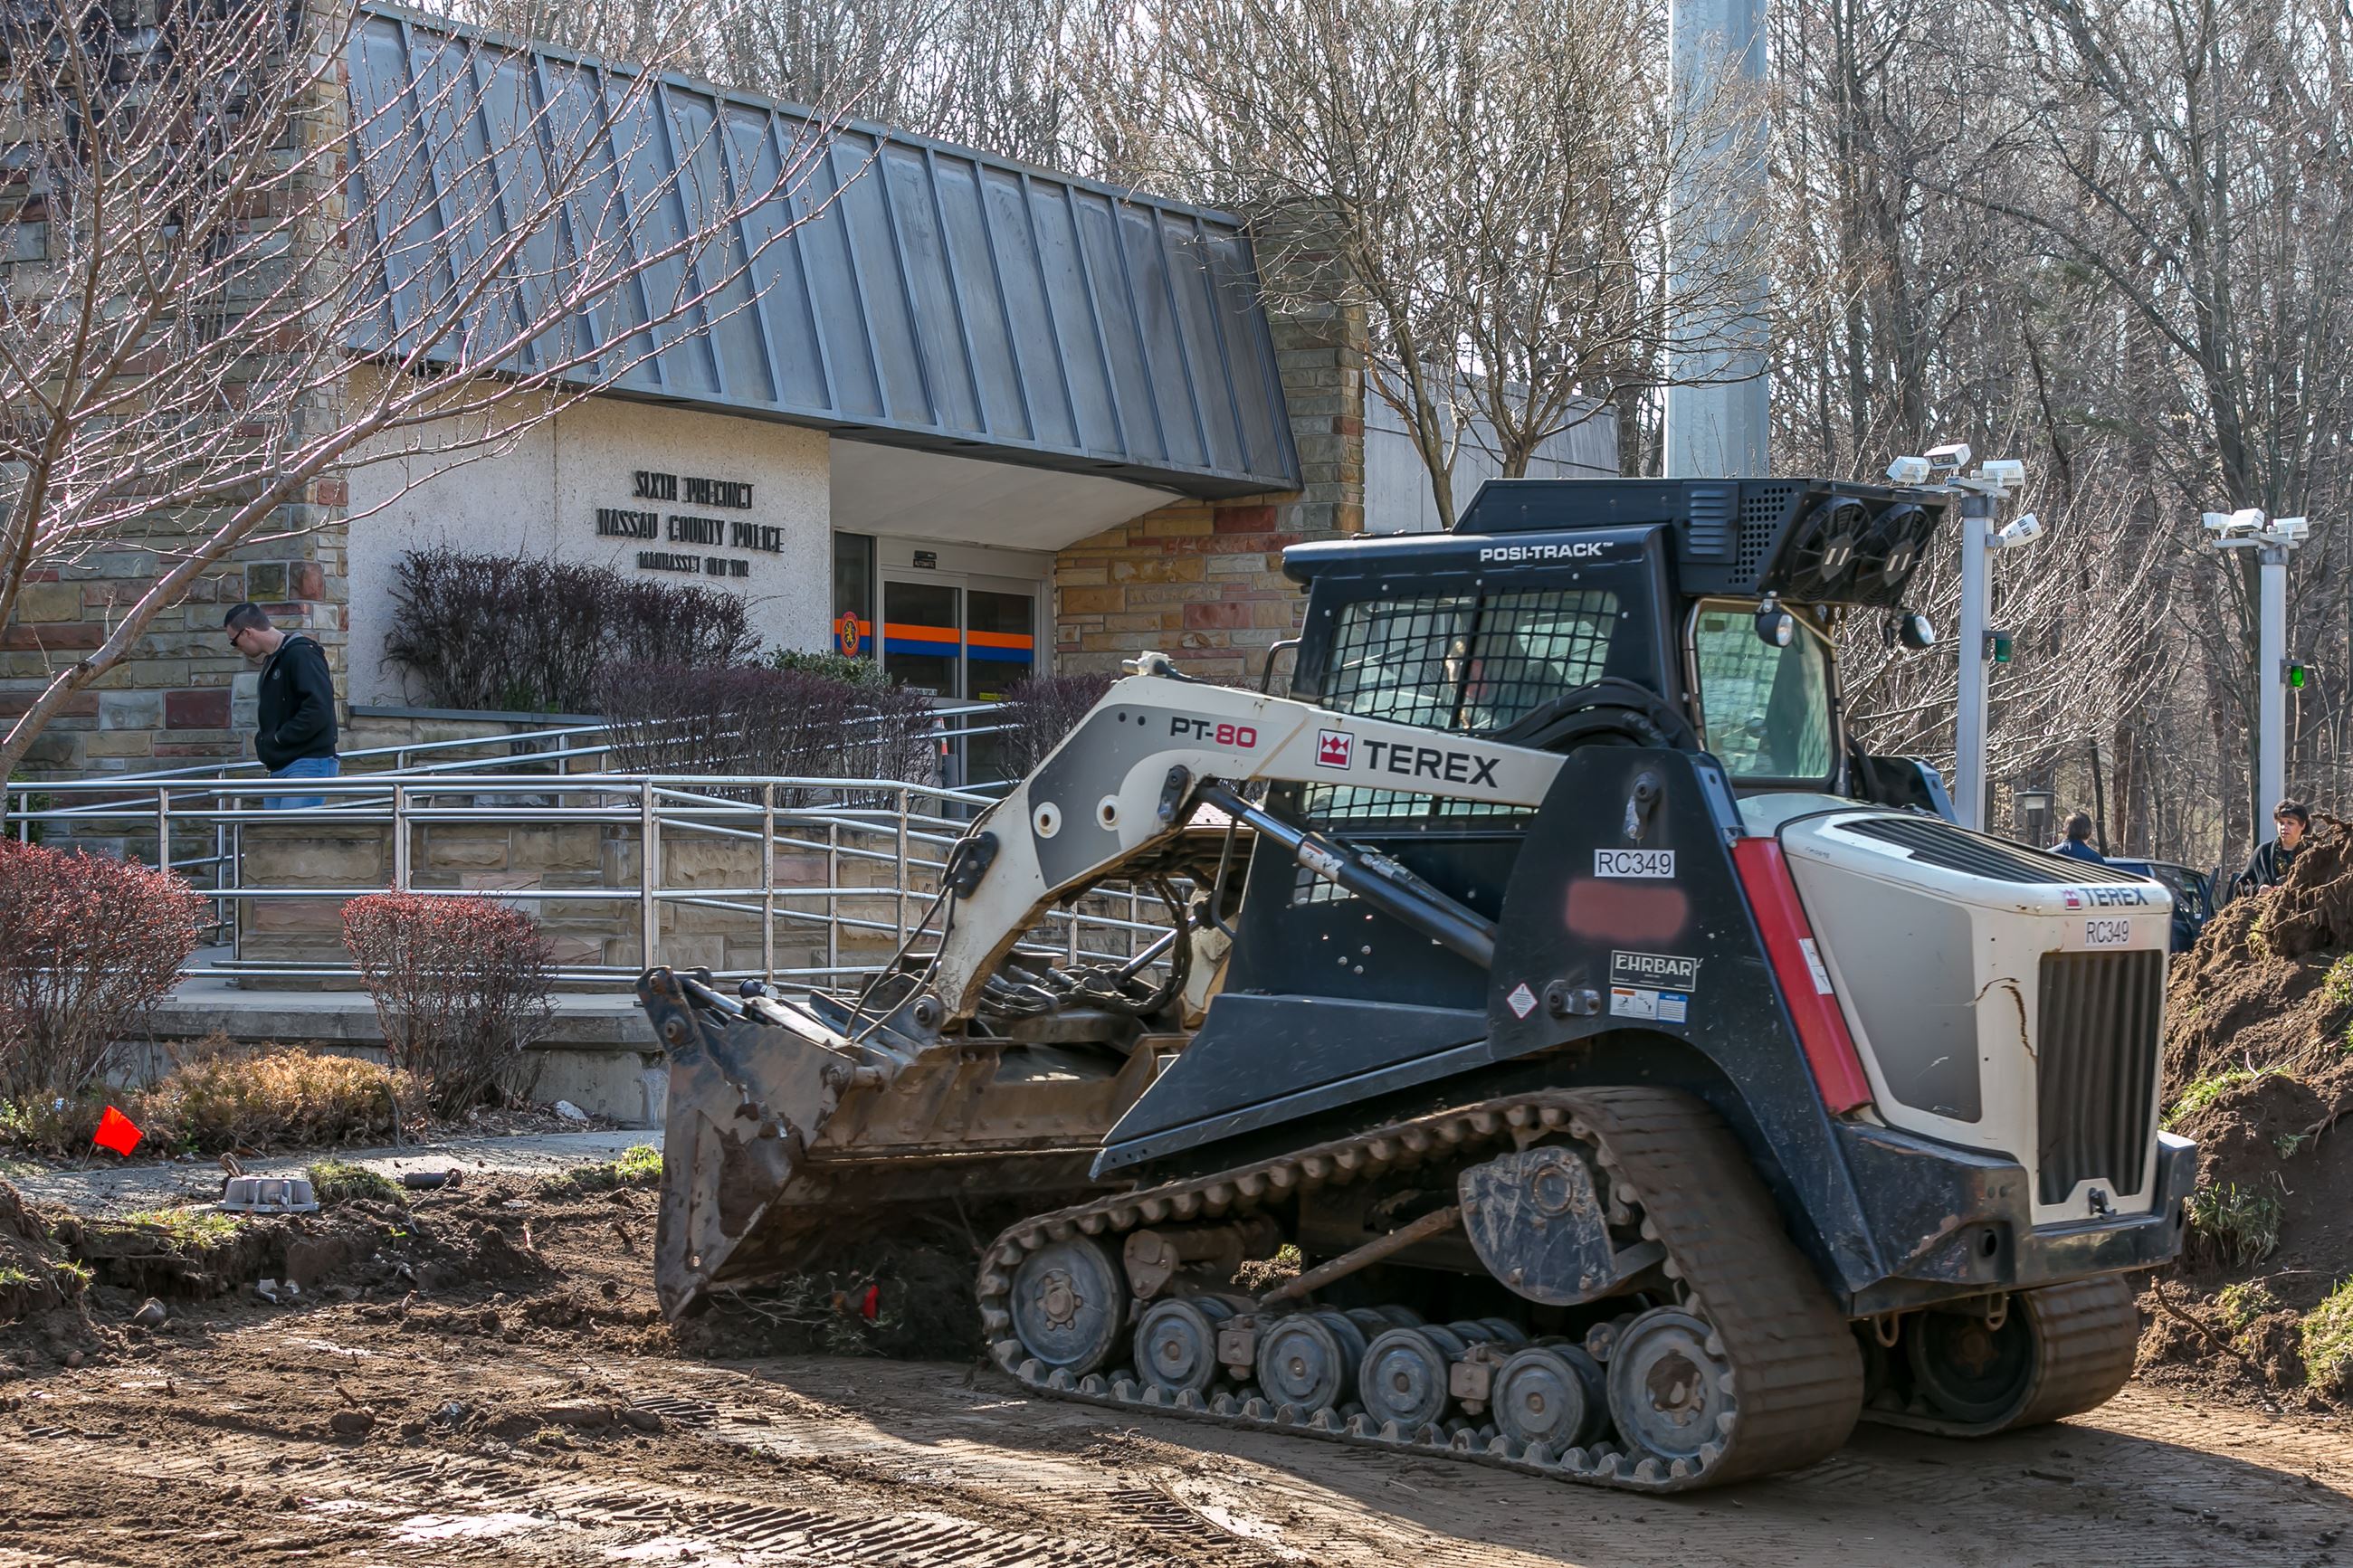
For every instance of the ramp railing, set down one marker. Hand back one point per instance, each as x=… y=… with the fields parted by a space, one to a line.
x=800 y=881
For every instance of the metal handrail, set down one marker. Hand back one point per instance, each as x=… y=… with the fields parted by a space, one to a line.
x=400 y=751
x=893 y=830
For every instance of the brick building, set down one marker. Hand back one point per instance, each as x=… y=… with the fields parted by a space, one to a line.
x=981 y=420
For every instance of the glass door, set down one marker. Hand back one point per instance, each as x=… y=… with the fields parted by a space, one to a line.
x=1000 y=650
x=923 y=635
x=956 y=641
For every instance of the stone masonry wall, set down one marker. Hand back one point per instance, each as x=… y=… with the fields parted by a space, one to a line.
x=1203 y=580
x=183 y=698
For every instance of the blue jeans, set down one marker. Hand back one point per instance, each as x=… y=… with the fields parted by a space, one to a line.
x=302 y=768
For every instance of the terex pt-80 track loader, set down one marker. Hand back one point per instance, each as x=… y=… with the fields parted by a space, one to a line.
x=1649 y=1083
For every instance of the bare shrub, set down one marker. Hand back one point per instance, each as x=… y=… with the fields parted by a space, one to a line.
x=276 y=1097
x=229 y=1098
x=88 y=945
x=526 y=635
x=796 y=723
x=461 y=986
x=1039 y=712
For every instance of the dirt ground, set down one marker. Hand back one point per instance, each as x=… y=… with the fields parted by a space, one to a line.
x=548 y=1417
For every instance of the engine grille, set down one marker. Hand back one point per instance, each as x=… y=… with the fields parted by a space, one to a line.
x=2096 y=1053
x=1936 y=843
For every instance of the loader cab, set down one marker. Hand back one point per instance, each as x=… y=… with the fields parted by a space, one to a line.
x=1644 y=594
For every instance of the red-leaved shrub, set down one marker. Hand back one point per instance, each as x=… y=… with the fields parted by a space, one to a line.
x=460 y=985
x=88 y=945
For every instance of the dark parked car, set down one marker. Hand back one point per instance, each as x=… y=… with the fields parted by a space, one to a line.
x=2193 y=896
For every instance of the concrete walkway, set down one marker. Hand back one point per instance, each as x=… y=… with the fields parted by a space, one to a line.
x=117 y=1188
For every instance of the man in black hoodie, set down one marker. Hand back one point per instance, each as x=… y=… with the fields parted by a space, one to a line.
x=297 y=734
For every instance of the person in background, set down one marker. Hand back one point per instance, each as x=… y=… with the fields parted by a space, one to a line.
x=2268 y=869
x=2078 y=845
x=296 y=737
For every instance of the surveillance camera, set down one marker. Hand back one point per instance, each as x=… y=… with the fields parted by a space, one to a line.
x=2218 y=522
x=2292 y=529
x=2248 y=519
x=1908 y=471
x=1950 y=459
x=2007 y=472
x=2019 y=531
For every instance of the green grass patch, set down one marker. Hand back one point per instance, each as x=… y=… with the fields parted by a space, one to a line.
x=2233 y=1226
x=640 y=1165
x=189 y=1229
x=2337 y=983
x=2243 y=1302
x=2204 y=1092
x=338 y=1181
x=73 y=1277
x=2329 y=1339
x=13 y=1277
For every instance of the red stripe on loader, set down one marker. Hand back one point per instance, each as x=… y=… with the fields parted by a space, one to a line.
x=1821 y=1027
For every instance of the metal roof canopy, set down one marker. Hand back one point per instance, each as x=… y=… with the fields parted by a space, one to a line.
x=926 y=295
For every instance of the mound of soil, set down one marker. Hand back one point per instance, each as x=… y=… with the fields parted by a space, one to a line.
x=43 y=1297
x=2259 y=1072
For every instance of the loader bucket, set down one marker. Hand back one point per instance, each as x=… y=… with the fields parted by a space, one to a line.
x=783 y=1133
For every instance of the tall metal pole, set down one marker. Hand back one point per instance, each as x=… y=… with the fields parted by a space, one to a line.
x=1969 y=723
x=2271 y=688
x=1718 y=411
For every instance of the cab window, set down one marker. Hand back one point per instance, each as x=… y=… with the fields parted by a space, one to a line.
x=1765 y=711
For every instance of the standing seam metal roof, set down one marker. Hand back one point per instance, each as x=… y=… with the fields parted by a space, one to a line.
x=926 y=295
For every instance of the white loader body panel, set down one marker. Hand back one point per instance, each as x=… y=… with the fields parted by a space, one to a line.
x=1962 y=962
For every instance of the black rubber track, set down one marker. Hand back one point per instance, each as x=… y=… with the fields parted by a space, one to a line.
x=1796 y=1375
x=2087 y=1335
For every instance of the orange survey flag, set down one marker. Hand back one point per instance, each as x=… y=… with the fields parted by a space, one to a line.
x=116 y=1131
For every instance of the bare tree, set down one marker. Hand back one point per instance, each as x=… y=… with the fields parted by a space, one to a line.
x=1491 y=181
x=233 y=276
x=985 y=73
x=2108 y=238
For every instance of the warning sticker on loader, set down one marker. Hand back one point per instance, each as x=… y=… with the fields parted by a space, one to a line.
x=1523 y=1000
x=1642 y=1002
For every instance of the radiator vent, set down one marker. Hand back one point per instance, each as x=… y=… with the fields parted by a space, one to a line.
x=2096 y=1050
x=1936 y=843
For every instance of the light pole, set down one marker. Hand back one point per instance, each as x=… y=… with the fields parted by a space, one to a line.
x=1980 y=497
x=2271 y=539
x=1717 y=408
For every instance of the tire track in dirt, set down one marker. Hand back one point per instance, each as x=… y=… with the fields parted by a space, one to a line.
x=902 y=1465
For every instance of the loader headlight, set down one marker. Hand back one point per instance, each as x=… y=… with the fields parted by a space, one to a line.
x=1914 y=630
x=1775 y=626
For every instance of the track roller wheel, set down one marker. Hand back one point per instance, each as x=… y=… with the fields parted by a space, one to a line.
x=1554 y=1394
x=1669 y=1390
x=1970 y=1370
x=1310 y=1360
x=1069 y=1303
x=2056 y=1352
x=1176 y=1343
x=1403 y=1376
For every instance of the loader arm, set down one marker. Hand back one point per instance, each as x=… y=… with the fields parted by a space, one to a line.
x=1126 y=780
